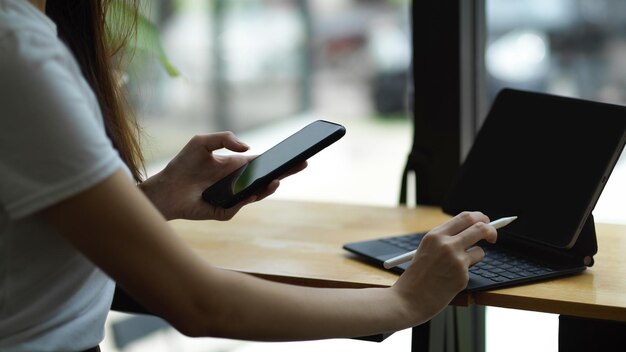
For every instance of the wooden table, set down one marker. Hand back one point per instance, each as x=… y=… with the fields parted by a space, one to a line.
x=301 y=243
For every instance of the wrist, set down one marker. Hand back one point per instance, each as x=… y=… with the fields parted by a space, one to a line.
x=416 y=302
x=153 y=189
x=407 y=311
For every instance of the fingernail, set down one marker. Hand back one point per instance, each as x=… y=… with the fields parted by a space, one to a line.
x=241 y=142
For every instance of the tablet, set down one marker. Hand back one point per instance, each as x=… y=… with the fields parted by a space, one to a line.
x=542 y=158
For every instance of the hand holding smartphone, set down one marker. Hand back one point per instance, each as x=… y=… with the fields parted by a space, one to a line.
x=255 y=175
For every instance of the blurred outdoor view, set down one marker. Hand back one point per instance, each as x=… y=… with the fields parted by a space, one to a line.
x=264 y=69
x=566 y=47
x=248 y=64
x=572 y=48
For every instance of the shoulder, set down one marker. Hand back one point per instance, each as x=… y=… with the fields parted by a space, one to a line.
x=28 y=41
x=52 y=137
x=38 y=70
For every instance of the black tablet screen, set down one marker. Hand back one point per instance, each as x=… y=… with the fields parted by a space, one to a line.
x=543 y=158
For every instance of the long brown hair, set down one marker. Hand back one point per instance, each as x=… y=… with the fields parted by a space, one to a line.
x=83 y=26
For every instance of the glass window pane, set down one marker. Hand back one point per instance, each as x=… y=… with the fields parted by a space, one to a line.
x=572 y=48
x=566 y=47
x=264 y=69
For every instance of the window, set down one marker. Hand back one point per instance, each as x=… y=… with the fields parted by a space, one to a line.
x=264 y=69
x=572 y=48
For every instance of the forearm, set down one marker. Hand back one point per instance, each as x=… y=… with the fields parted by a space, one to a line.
x=246 y=307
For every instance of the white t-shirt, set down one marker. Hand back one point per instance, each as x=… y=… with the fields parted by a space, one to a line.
x=52 y=145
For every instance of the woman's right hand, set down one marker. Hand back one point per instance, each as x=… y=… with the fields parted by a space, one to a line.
x=440 y=268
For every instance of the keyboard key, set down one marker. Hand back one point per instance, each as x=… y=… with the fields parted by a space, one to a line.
x=489 y=275
x=511 y=275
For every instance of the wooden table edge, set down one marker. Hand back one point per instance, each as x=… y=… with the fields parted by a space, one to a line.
x=552 y=306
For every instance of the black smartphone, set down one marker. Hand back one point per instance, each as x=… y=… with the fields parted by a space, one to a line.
x=255 y=175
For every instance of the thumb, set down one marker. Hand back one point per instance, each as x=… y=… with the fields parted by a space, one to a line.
x=215 y=141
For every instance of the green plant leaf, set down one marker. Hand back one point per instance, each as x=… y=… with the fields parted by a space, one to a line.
x=147 y=35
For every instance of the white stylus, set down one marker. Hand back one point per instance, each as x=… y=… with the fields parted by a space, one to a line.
x=403 y=258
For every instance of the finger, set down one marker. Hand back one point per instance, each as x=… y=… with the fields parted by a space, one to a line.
x=229 y=213
x=215 y=141
x=475 y=255
x=269 y=190
x=231 y=162
x=461 y=222
x=243 y=203
x=476 y=232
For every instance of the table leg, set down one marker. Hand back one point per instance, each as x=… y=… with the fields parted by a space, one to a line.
x=420 y=338
x=455 y=329
x=584 y=334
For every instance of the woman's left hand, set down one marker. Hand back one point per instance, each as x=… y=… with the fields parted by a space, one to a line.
x=176 y=190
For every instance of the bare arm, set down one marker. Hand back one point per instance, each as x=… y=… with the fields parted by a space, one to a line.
x=117 y=227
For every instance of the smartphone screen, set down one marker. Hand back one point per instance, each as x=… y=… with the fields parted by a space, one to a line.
x=259 y=172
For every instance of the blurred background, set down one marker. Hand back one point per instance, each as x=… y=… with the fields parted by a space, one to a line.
x=265 y=68
x=249 y=64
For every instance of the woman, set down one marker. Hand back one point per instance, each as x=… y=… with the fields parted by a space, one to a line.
x=73 y=220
